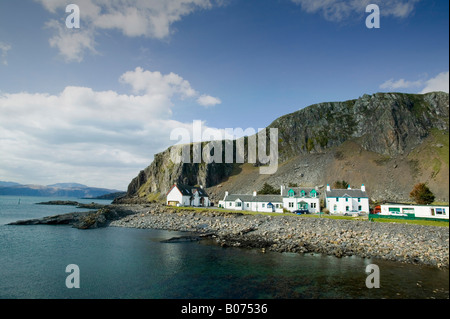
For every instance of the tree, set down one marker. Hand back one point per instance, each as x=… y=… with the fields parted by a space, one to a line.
x=268 y=189
x=421 y=194
x=340 y=185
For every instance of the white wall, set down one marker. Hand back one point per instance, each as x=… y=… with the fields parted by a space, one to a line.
x=297 y=200
x=174 y=195
x=342 y=204
x=419 y=210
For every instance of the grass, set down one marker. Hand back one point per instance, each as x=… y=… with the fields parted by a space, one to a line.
x=414 y=222
x=380 y=220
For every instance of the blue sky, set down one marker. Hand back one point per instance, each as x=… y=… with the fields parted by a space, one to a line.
x=94 y=104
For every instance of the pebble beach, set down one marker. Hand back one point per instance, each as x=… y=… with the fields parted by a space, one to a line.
x=414 y=244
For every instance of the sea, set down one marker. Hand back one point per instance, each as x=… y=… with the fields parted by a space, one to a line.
x=125 y=263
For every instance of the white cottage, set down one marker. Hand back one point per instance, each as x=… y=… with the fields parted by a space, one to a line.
x=184 y=195
x=417 y=211
x=347 y=201
x=295 y=198
x=254 y=202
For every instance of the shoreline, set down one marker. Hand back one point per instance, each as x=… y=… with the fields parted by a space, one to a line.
x=406 y=243
x=413 y=244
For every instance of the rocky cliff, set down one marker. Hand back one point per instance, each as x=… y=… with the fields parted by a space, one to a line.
x=388 y=141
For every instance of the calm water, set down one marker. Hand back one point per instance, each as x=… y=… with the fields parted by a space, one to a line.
x=133 y=263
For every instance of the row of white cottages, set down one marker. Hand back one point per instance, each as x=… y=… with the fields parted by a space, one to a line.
x=337 y=201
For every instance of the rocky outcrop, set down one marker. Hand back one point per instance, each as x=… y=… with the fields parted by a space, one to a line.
x=82 y=220
x=332 y=141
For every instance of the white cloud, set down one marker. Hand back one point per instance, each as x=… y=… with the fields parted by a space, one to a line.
x=207 y=100
x=71 y=43
x=4 y=48
x=339 y=10
x=400 y=84
x=148 y=18
x=101 y=138
x=438 y=83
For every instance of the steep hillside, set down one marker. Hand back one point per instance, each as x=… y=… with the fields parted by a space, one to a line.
x=388 y=141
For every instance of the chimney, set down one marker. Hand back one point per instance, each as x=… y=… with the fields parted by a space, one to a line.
x=349 y=187
x=363 y=188
x=254 y=193
x=328 y=188
x=281 y=190
x=226 y=194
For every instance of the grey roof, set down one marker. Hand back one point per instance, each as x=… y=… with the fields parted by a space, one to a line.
x=346 y=193
x=257 y=198
x=297 y=191
x=187 y=190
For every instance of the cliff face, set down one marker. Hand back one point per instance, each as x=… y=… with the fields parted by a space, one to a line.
x=386 y=123
x=361 y=141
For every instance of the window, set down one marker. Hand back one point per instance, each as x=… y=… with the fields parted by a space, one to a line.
x=359 y=200
x=291 y=193
x=291 y=204
x=359 y=207
x=313 y=194
x=231 y=205
x=313 y=205
x=347 y=208
x=394 y=210
x=238 y=204
x=303 y=193
x=263 y=205
x=440 y=211
x=337 y=199
x=346 y=199
x=335 y=207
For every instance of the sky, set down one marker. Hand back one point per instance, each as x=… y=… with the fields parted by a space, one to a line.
x=94 y=104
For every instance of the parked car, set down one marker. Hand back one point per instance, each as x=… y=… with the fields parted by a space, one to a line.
x=301 y=211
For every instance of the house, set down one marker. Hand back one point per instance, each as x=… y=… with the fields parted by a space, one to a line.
x=290 y=198
x=295 y=198
x=254 y=202
x=415 y=211
x=184 y=195
x=347 y=201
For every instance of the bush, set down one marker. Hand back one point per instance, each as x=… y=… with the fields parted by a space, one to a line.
x=268 y=189
x=421 y=194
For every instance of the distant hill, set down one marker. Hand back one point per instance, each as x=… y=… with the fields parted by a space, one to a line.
x=6 y=184
x=386 y=141
x=55 y=190
x=68 y=185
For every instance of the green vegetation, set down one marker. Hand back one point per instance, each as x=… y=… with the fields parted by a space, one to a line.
x=412 y=221
x=321 y=215
x=268 y=189
x=340 y=185
x=441 y=139
x=421 y=194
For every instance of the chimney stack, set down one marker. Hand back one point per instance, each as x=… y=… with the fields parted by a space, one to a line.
x=254 y=193
x=328 y=188
x=363 y=188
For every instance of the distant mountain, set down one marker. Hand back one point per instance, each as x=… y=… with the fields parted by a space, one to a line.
x=68 y=185
x=55 y=190
x=7 y=184
x=386 y=141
